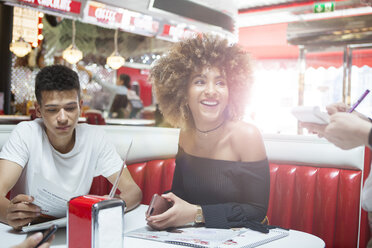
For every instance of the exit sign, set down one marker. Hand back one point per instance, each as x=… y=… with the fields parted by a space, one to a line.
x=324 y=7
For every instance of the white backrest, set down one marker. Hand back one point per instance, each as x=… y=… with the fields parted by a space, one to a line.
x=149 y=143
x=159 y=143
x=311 y=150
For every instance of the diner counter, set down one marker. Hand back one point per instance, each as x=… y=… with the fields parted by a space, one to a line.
x=13 y=119
x=136 y=219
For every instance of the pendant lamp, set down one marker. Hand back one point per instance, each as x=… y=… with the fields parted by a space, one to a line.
x=115 y=61
x=72 y=54
x=20 y=47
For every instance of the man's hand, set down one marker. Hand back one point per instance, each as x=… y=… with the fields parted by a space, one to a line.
x=33 y=240
x=21 y=211
x=179 y=214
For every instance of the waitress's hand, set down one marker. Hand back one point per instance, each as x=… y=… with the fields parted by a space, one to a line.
x=347 y=130
x=337 y=107
x=179 y=214
x=342 y=107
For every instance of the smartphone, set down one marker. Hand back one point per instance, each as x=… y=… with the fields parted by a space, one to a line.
x=158 y=205
x=47 y=235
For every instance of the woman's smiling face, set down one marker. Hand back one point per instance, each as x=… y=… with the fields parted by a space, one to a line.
x=208 y=95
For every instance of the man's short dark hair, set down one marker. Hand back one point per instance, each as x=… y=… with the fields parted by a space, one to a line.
x=126 y=79
x=56 y=77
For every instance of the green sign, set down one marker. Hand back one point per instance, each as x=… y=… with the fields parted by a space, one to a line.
x=324 y=7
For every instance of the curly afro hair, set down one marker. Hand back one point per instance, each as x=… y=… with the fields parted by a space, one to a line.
x=171 y=75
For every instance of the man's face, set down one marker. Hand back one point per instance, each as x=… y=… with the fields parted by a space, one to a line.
x=60 y=111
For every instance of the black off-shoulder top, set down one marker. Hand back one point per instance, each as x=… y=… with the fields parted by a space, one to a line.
x=231 y=193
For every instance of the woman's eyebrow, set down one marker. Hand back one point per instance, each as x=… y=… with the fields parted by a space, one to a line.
x=199 y=75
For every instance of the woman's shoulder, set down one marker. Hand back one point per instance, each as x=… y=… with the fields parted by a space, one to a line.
x=246 y=140
x=243 y=130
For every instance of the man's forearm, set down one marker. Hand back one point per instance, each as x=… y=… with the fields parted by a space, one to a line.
x=132 y=197
x=4 y=203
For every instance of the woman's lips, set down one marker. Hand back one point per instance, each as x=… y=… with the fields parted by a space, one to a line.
x=209 y=103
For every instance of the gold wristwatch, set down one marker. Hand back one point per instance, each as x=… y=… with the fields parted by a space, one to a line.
x=199 y=218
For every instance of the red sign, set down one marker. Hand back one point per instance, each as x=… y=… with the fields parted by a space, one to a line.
x=174 y=33
x=105 y=15
x=143 y=24
x=70 y=6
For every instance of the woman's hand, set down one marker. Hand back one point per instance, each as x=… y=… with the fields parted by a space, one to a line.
x=179 y=214
x=21 y=211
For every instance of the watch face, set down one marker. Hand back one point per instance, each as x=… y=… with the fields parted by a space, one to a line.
x=199 y=215
x=198 y=218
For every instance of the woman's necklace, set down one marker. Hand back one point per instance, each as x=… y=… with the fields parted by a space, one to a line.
x=210 y=130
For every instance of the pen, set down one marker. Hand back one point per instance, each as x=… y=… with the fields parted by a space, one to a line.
x=359 y=101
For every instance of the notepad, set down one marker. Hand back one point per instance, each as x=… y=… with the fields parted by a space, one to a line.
x=252 y=238
x=311 y=114
x=202 y=237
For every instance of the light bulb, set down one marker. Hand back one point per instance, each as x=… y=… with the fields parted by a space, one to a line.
x=72 y=54
x=20 y=48
x=115 y=61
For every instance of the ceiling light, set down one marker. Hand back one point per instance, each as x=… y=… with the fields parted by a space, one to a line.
x=72 y=54
x=20 y=47
x=115 y=61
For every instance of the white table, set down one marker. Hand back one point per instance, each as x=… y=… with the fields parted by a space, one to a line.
x=136 y=219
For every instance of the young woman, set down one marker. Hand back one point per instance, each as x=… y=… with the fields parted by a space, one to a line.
x=222 y=175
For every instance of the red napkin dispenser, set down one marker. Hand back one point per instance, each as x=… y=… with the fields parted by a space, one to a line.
x=95 y=221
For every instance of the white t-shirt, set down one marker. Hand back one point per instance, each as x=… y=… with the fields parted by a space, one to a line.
x=72 y=172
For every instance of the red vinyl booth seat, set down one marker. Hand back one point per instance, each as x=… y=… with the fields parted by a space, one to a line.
x=320 y=201
x=316 y=200
x=152 y=177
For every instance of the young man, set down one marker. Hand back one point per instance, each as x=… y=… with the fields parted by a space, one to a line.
x=54 y=148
